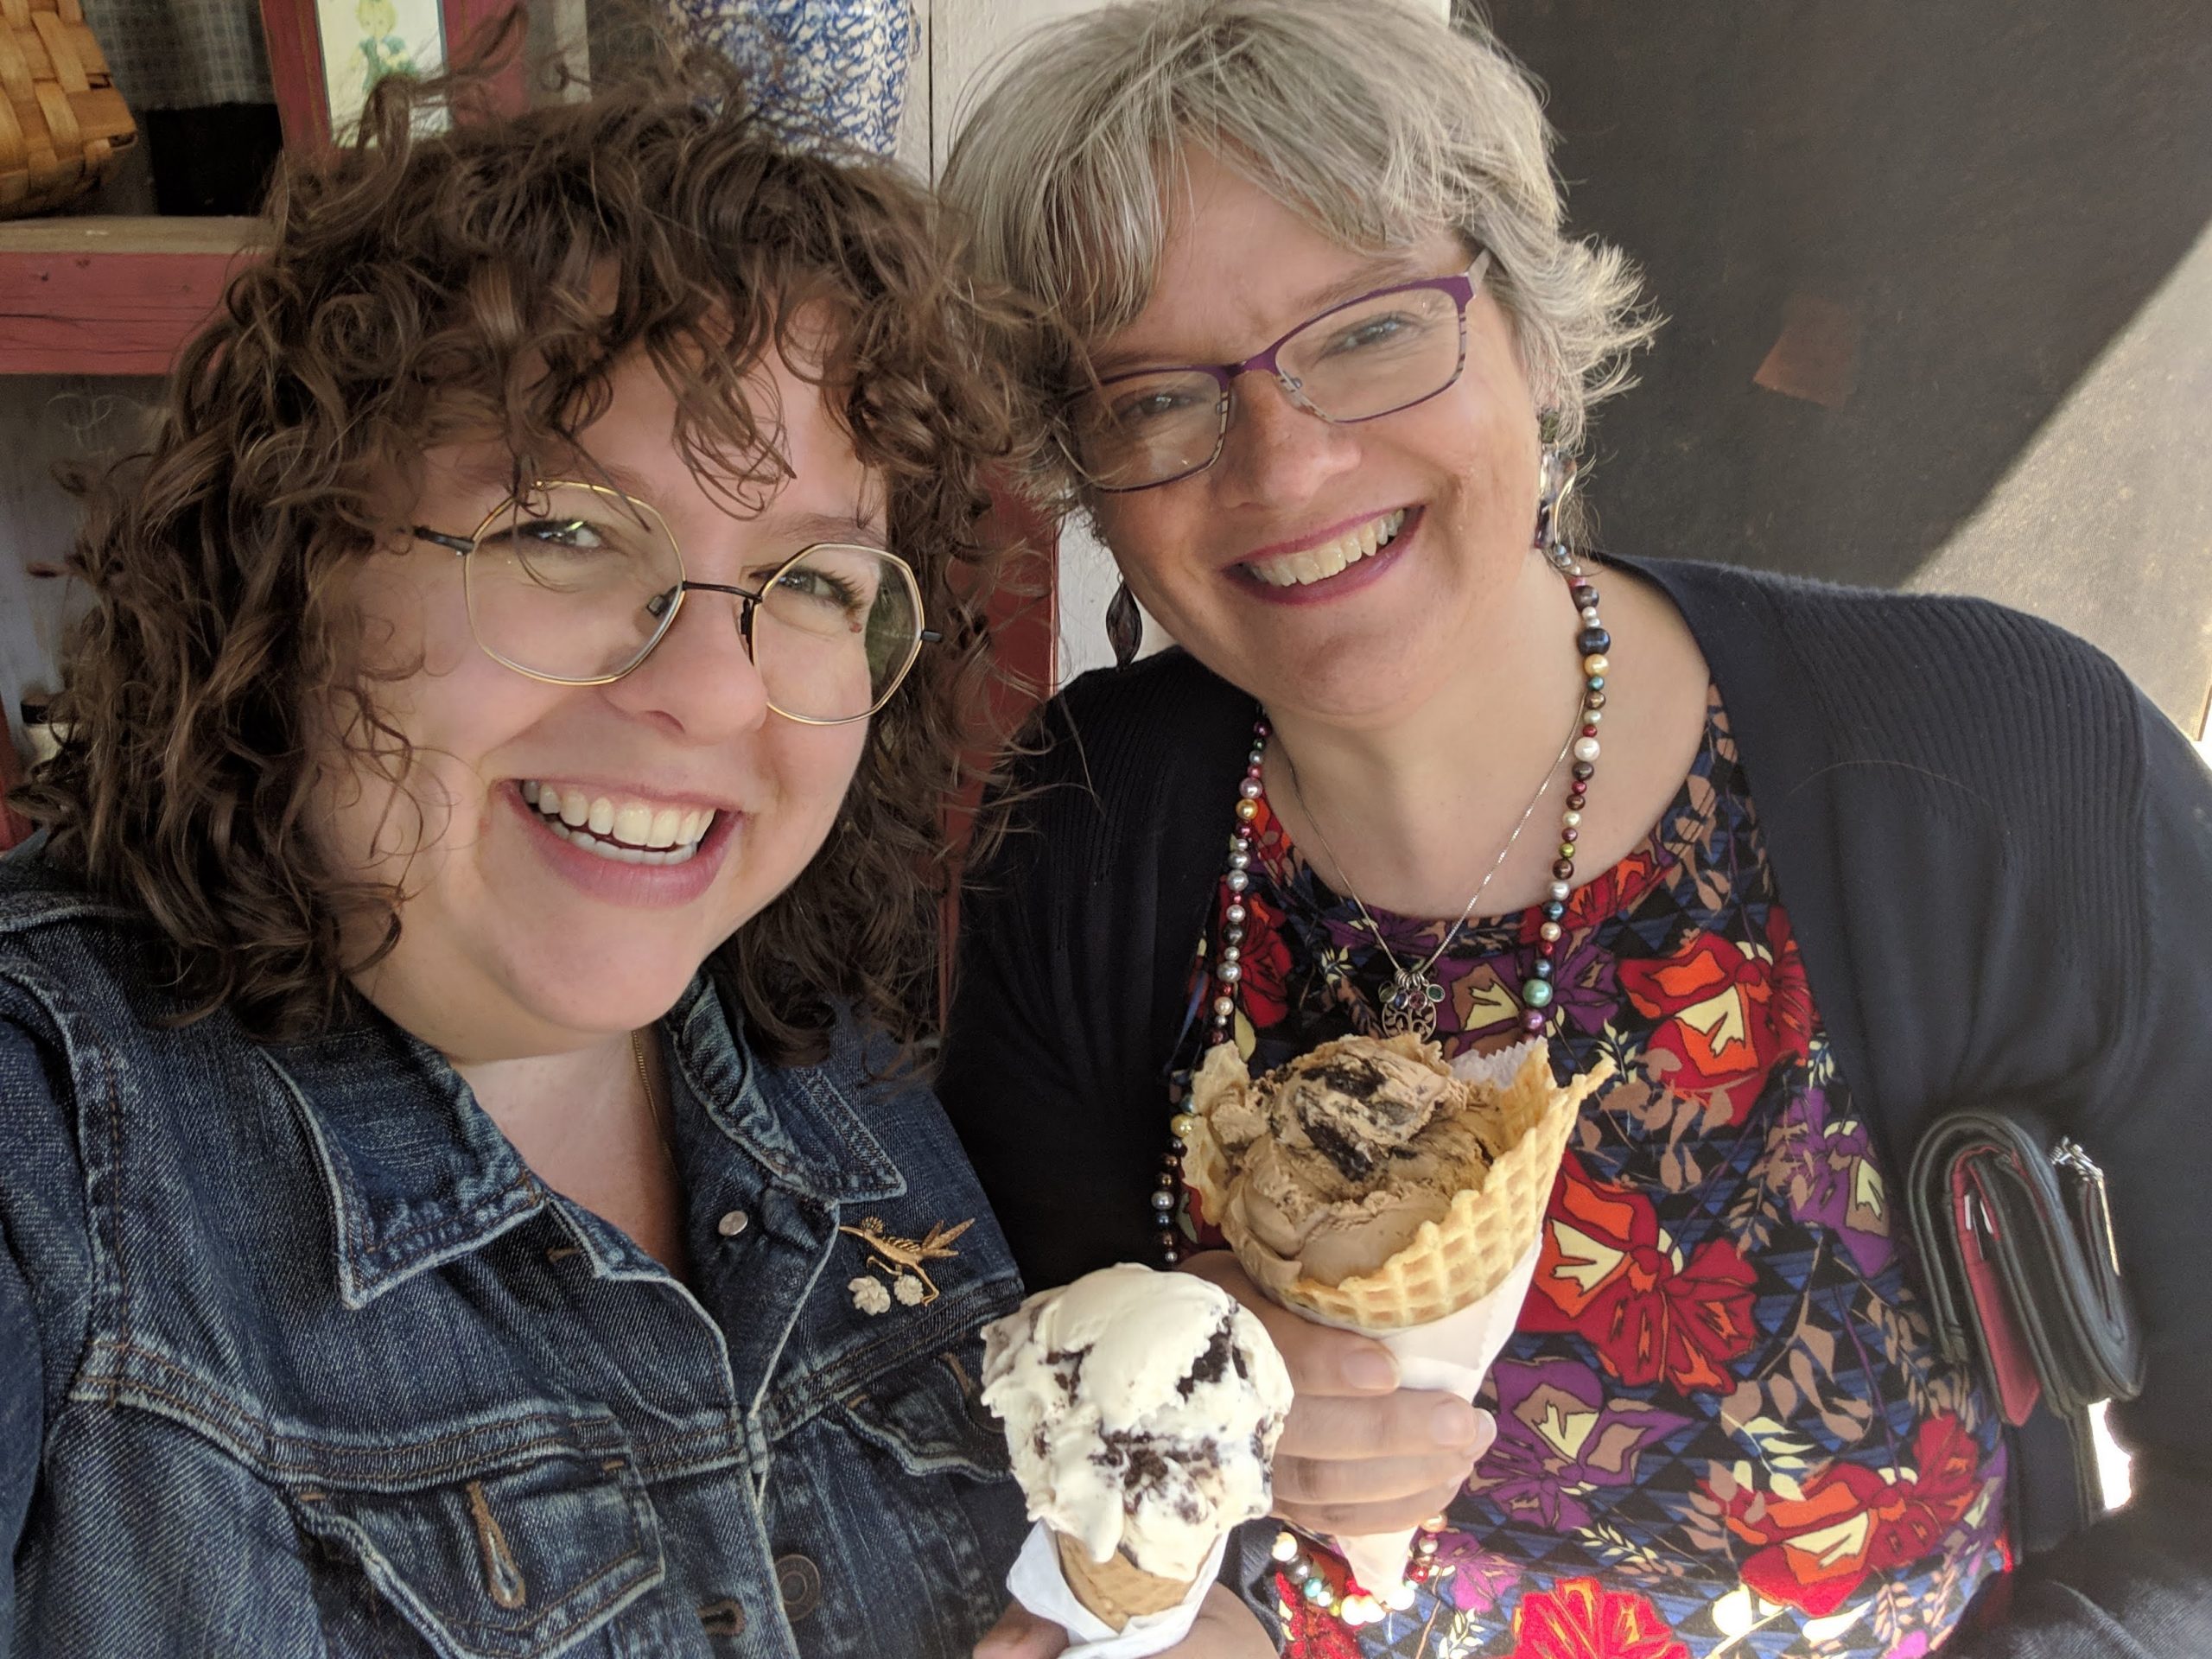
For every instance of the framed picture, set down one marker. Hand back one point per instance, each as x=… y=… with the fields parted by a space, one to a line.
x=325 y=54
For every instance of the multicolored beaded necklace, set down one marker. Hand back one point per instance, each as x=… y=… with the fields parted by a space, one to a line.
x=1356 y=1607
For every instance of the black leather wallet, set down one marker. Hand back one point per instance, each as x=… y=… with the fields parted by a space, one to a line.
x=2014 y=1228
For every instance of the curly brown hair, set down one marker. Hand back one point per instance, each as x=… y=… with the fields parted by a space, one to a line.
x=483 y=282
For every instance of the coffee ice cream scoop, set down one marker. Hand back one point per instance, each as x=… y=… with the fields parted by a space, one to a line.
x=1359 y=1106
x=1346 y=1151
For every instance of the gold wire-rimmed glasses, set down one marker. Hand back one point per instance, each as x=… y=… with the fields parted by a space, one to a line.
x=1360 y=360
x=575 y=584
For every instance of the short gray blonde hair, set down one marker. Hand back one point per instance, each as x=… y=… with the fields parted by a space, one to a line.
x=1376 y=123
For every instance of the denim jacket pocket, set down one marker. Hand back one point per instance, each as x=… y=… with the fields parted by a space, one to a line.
x=512 y=1560
x=931 y=1418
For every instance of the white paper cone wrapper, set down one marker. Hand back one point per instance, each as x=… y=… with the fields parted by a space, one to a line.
x=1452 y=1355
x=1497 y=1070
x=1036 y=1581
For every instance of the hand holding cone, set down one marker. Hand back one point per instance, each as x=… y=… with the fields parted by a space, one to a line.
x=1371 y=1186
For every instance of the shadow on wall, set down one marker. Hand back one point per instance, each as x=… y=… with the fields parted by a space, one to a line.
x=1919 y=225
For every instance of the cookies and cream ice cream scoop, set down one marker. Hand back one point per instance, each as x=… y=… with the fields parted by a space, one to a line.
x=1141 y=1412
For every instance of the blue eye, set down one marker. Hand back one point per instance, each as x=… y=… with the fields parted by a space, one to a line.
x=1370 y=334
x=1145 y=407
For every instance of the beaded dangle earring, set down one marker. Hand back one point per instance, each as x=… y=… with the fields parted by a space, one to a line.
x=1558 y=474
x=1124 y=626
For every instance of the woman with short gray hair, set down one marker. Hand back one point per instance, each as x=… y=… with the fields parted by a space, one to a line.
x=1072 y=168
x=1313 y=353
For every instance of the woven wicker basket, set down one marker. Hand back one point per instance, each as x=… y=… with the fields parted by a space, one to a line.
x=62 y=124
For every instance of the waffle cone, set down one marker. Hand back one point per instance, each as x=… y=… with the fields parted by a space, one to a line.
x=1116 y=1589
x=1448 y=1263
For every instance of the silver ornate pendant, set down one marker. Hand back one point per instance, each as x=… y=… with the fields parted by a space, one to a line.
x=1411 y=1005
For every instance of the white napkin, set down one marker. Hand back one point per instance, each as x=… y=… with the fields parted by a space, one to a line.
x=1037 y=1584
x=1452 y=1354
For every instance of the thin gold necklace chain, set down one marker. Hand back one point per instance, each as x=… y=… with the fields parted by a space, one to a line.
x=653 y=1106
x=1403 y=978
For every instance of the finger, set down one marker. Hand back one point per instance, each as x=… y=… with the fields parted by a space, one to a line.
x=1407 y=1423
x=1371 y=1480
x=1485 y=1434
x=1351 y=1519
x=1224 y=1630
x=1320 y=1360
x=1323 y=1362
x=1365 y=1480
x=1022 y=1635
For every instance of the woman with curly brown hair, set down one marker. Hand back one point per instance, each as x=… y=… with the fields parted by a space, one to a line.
x=462 y=1189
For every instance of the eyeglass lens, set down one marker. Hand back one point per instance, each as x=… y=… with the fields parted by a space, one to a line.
x=576 y=584
x=1358 y=361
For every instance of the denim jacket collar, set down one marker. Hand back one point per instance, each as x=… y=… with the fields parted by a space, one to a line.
x=799 y=1122
x=418 y=1173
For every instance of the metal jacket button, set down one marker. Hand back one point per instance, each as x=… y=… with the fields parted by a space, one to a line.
x=799 y=1582
x=732 y=1223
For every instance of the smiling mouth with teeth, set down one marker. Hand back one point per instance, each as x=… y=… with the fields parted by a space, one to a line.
x=1311 y=564
x=625 y=831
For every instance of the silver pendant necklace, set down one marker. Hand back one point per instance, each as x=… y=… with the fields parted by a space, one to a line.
x=1410 y=1002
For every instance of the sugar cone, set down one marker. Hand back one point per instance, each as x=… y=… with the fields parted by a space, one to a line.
x=1449 y=1263
x=1116 y=1589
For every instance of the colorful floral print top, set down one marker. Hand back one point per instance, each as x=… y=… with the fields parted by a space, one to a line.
x=1723 y=1428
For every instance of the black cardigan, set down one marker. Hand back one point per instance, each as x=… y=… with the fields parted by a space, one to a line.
x=1997 y=857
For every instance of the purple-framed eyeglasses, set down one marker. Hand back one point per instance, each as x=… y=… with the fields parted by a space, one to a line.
x=1364 y=358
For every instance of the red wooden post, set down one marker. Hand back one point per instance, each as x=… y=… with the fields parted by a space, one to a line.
x=476 y=29
x=13 y=826
x=1024 y=618
x=296 y=72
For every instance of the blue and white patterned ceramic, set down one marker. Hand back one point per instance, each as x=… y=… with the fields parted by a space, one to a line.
x=820 y=66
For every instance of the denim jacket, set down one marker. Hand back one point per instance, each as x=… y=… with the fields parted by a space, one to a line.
x=298 y=1357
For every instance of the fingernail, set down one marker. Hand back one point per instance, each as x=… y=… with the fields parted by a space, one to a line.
x=1370 y=1368
x=1454 y=1423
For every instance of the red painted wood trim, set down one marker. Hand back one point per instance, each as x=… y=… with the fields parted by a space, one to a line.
x=1024 y=635
x=13 y=826
x=85 y=312
x=1024 y=624
x=472 y=26
x=295 y=71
